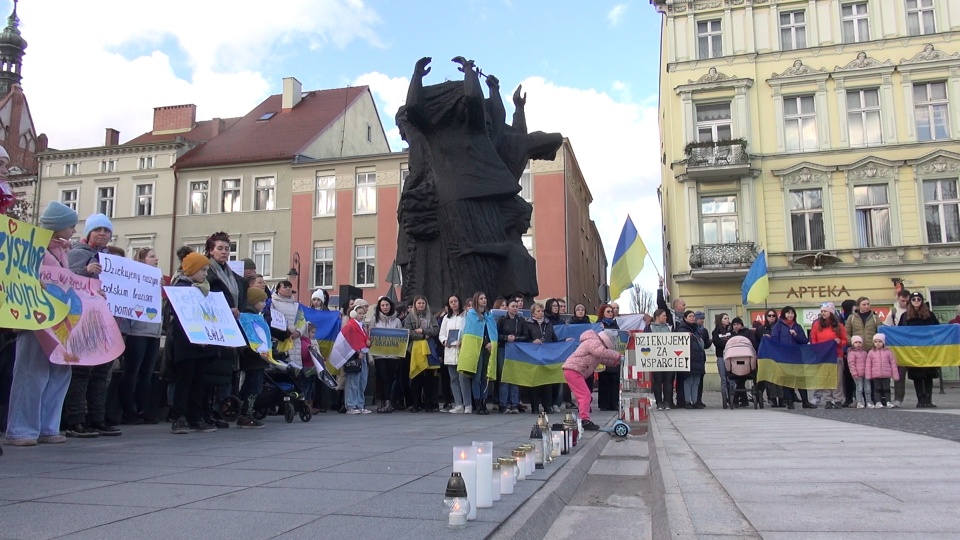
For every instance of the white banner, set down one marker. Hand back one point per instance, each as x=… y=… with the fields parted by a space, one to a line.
x=660 y=352
x=236 y=266
x=207 y=320
x=132 y=288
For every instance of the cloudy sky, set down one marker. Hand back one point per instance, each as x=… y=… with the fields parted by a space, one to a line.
x=590 y=70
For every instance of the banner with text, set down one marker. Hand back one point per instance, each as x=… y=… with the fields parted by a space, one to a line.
x=388 y=342
x=88 y=335
x=132 y=288
x=28 y=305
x=206 y=319
x=660 y=352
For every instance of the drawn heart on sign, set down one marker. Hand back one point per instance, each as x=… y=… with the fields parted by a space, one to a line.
x=678 y=353
x=40 y=317
x=646 y=351
x=138 y=311
x=151 y=313
x=15 y=313
x=12 y=225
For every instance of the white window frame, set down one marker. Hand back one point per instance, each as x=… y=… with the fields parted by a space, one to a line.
x=797 y=30
x=526 y=184
x=939 y=202
x=71 y=169
x=863 y=239
x=108 y=165
x=325 y=195
x=712 y=36
x=916 y=13
x=931 y=105
x=527 y=241
x=205 y=191
x=270 y=187
x=865 y=111
x=366 y=184
x=365 y=250
x=151 y=208
x=234 y=251
x=73 y=203
x=323 y=257
x=719 y=218
x=146 y=162
x=236 y=191
x=800 y=118
x=263 y=258
x=807 y=212
x=105 y=203
x=404 y=174
x=713 y=125
x=860 y=12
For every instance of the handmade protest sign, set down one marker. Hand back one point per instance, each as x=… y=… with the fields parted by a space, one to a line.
x=660 y=352
x=236 y=266
x=132 y=288
x=207 y=320
x=88 y=334
x=278 y=320
x=257 y=332
x=28 y=305
x=388 y=342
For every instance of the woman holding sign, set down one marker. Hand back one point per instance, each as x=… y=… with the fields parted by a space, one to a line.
x=139 y=358
x=451 y=330
x=386 y=366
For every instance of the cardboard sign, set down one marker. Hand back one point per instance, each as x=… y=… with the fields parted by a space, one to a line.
x=236 y=266
x=28 y=305
x=207 y=320
x=88 y=335
x=132 y=288
x=278 y=320
x=388 y=342
x=656 y=351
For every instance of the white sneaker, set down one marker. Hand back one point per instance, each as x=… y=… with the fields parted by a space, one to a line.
x=861 y=406
x=365 y=411
x=468 y=410
x=870 y=405
x=897 y=403
x=353 y=411
x=457 y=410
x=890 y=405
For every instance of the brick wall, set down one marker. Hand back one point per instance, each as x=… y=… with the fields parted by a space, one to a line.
x=174 y=117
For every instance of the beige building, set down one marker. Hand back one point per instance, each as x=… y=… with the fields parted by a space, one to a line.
x=826 y=133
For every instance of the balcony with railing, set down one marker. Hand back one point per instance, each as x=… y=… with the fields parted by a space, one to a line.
x=723 y=258
x=717 y=159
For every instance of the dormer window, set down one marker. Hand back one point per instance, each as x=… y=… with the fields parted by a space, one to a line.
x=266 y=116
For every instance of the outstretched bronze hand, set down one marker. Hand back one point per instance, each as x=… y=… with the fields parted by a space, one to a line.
x=421 y=68
x=519 y=100
x=493 y=81
x=464 y=63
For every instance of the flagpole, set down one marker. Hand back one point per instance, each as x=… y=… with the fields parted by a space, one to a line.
x=654 y=264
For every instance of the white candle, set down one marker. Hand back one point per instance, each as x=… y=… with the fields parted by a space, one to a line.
x=495 y=479
x=557 y=443
x=484 y=472
x=465 y=463
x=458 y=516
x=521 y=465
x=507 y=479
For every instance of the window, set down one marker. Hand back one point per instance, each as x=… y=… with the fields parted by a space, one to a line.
x=369 y=133
x=264 y=196
x=146 y=162
x=106 y=196
x=719 y=217
x=527 y=241
x=266 y=116
x=323 y=267
x=799 y=123
x=806 y=219
x=942 y=210
x=709 y=39
x=144 y=202
x=863 y=117
x=326 y=195
x=230 y=195
x=233 y=252
x=71 y=169
x=262 y=257
x=108 y=165
x=714 y=122
x=199 y=196
x=920 y=19
x=69 y=198
x=366 y=193
x=855 y=22
x=526 y=185
x=930 y=110
x=793 y=31
x=366 y=264
x=873 y=216
x=404 y=173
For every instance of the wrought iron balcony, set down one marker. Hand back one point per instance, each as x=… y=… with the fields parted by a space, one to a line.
x=717 y=159
x=723 y=256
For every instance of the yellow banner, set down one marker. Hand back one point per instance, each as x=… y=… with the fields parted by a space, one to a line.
x=28 y=305
x=388 y=342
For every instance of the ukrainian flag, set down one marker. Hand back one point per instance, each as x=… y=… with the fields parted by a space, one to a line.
x=527 y=364
x=924 y=346
x=423 y=356
x=573 y=331
x=756 y=286
x=471 y=344
x=327 y=324
x=809 y=367
x=628 y=259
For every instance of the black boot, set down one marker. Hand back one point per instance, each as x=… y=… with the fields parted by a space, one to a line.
x=482 y=409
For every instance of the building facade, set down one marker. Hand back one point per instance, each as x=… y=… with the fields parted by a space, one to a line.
x=824 y=132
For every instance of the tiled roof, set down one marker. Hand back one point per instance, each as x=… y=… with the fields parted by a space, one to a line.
x=282 y=136
x=203 y=131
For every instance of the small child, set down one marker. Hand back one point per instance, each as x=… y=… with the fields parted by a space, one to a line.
x=881 y=366
x=308 y=375
x=857 y=360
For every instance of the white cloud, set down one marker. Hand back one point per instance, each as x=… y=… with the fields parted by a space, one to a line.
x=390 y=94
x=220 y=48
x=616 y=14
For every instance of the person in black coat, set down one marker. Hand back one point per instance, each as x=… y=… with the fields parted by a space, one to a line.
x=511 y=328
x=699 y=342
x=608 y=380
x=918 y=314
x=541 y=331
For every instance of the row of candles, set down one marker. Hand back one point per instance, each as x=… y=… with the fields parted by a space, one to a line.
x=477 y=481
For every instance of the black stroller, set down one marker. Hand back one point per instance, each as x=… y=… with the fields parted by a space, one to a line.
x=282 y=393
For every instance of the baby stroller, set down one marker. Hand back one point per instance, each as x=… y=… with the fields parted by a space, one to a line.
x=282 y=395
x=740 y=361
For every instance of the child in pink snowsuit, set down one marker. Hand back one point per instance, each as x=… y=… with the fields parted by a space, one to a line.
x=594 y=349
x=857 y=360
x=881 y=366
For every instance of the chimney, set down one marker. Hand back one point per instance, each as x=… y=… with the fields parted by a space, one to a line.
x=112 y=138
x=291 y=93
x=216 y=126
x=174 y=118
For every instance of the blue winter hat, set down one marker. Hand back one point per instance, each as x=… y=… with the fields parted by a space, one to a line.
x=95 y=221
x=58 y=216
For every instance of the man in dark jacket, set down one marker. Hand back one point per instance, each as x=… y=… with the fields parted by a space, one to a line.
x=674 y=310
x=511 y=328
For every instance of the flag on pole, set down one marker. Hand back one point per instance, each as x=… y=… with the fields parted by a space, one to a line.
x=628 y=259
x=756 y=285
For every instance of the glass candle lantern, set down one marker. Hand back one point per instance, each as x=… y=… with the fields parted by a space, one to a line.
x=484 y=470
x=508 y=474
x=521 y=456
x=495 y=480
x=536 y=440
x=465 y=463
x=455 y=502
x=557 y=446
x=531 y=458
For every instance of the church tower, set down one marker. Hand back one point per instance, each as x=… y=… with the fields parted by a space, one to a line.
x=12 y=49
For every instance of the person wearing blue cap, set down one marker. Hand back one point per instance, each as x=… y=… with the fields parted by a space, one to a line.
x=85 y=407
x=39 y=386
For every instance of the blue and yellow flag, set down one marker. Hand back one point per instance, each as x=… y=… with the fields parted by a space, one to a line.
x=389 y=342
x=526 y=364
x=574 y=331
x=423 y=356
x=756 y=285
x=471 y=343
x=809 y=367
x=628 y=259
x=924 y=346
x=327 y=324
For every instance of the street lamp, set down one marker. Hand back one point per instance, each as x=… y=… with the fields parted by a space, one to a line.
x=294 y=274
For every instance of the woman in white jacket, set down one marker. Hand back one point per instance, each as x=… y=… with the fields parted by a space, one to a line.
x=454 y=320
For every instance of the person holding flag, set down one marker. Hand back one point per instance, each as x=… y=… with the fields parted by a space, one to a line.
x=352 y=345
x=422 y=327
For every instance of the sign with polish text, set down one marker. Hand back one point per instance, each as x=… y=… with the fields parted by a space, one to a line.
x=28 y=305
x=655 y=351
x=207 y=320
x=132 y=288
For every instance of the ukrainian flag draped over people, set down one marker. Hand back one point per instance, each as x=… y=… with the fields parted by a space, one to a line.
x=628 y=259
x=529 y=364
x=471 y=344
x=807 y=367
x=924 y=346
